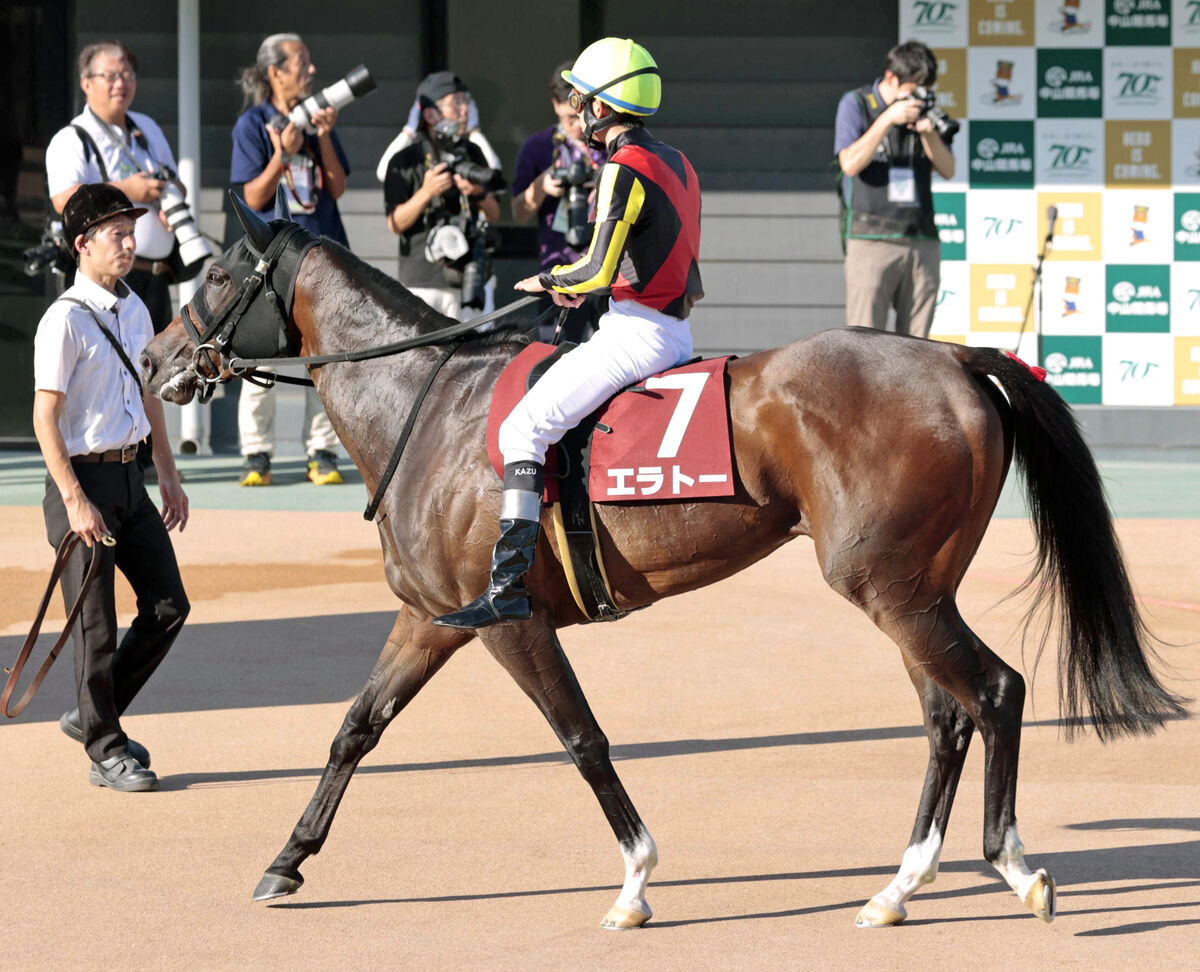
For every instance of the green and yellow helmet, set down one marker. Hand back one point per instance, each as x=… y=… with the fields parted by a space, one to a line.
x=619 y=72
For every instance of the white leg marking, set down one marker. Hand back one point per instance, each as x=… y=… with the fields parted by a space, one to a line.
x=1012 y=866
x=631 y=909
x=918 y=867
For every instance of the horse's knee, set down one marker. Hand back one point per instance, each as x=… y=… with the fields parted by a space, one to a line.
x=589 y=750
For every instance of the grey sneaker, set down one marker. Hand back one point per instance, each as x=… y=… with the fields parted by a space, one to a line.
x=71 y=726
x=323 y=470
x=122 y=772
x=256 y=471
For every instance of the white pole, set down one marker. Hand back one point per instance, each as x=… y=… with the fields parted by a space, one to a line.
x=192 y=432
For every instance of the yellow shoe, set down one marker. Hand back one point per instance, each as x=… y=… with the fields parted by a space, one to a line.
x=257 y=470
x=323 y=470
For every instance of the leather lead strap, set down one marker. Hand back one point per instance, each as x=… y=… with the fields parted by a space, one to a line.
x=65 y=549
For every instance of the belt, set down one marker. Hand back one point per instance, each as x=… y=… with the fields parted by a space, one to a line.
x=153 y=267
x=126 y=454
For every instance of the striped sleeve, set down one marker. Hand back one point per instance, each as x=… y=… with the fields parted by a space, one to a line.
x=619 y=199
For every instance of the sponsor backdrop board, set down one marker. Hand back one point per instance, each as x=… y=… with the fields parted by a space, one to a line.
x=1093 y=107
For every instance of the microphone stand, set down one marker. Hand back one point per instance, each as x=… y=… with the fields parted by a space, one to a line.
x=1052 y=214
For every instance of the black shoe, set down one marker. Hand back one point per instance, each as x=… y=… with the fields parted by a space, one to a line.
x=122 y=772
x=506 y=598
x=71 y=726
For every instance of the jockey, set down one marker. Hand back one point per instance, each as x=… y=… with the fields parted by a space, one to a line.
x=645 y=255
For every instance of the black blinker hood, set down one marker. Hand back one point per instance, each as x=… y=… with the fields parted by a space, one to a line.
x=262 y=330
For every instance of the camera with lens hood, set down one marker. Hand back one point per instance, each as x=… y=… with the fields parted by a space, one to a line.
x=355 y=84
x=943 y=124
x=51 y=251
x=452 y=149
x=579 y=178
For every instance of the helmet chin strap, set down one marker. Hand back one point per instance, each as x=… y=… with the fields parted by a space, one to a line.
x=593 y=126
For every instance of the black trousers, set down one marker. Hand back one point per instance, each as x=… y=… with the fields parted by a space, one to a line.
x=108 y=675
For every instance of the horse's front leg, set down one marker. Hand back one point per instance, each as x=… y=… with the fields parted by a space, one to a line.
x=949 y=729
x=414 y=651
x=530 y=652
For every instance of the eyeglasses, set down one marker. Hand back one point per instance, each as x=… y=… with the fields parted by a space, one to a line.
x=110 y=77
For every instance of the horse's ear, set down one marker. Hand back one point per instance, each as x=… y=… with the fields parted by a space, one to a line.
x=258 y=233
x=282 y=211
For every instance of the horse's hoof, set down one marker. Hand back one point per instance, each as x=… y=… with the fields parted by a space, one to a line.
x=620 y=918
x=1042 y=896
x=276 y=883
x=876 y=915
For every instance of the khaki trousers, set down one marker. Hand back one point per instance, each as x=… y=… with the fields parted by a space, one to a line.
x=902 y=274
x=256 y=421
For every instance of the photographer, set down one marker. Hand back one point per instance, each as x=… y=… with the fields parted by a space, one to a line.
x=107 y=142
x=438 y=196
x=889 y=138
x=555 y=178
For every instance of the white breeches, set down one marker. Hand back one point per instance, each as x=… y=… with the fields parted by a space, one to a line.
x=632 y=343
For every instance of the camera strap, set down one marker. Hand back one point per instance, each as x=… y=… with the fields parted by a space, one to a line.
x=112 y=339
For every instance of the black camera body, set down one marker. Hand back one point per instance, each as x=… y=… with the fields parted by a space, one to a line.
x=579 y=177
x=51 y=251
x=943 y=124
x=452 y=149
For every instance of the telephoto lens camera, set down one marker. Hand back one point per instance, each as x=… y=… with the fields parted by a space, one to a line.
x=193 y=247
x=452 y=148
x=52 y=251
x=579 y=177
x=478 y=270
x=355 y=84
x=943 y=124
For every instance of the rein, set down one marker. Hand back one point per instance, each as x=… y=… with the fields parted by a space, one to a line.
x=65 y=549
x=217 y=338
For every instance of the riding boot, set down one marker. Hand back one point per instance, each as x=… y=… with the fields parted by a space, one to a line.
x=506 y=598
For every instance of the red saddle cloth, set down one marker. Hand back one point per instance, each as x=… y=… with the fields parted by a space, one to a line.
x=669 y=440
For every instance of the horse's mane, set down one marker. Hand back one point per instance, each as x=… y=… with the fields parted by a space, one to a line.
x=397 y=301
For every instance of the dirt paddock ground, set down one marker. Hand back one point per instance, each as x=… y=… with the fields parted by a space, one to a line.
x=766 y=731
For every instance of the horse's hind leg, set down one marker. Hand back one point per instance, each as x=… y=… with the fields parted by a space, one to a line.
x=992 y=693
x=949 y=730
x=530 y=652
x=414 y=652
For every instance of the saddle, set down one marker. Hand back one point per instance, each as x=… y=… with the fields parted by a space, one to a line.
x=664 y=439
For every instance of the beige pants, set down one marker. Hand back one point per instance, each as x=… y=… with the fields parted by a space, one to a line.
x=256 y=421
x=888 y=273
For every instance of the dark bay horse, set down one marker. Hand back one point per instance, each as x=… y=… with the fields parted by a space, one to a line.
x=889 y=452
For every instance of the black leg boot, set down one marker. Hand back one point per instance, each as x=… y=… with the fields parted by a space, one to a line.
x=506 y=598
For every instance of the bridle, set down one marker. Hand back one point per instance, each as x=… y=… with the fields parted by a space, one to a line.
x=266 y=317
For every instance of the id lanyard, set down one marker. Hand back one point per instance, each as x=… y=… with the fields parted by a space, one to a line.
x=314 y=177
x=117 y=138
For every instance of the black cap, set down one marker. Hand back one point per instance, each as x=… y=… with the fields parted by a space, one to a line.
x=93 y=203
x=436 y=86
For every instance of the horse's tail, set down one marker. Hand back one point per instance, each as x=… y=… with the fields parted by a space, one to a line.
x=1079 y=574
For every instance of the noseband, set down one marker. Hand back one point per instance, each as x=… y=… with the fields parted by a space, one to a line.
x=254 y=324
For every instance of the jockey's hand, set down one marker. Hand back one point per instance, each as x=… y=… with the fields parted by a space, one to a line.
x=532 y=285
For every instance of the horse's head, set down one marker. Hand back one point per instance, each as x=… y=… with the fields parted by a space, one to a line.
x=242 y=309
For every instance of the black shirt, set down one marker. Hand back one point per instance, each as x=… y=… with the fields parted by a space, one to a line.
x=405 y=175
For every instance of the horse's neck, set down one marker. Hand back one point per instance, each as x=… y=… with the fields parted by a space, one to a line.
x=337 y=310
